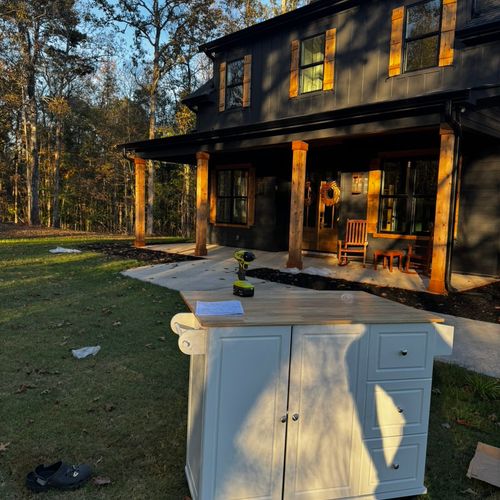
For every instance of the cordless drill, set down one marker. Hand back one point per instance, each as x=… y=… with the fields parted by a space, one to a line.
x=242 y=287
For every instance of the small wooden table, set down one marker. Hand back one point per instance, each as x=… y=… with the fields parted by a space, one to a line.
x=388 y=255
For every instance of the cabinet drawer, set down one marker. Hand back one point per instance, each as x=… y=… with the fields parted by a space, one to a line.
x=400 y=352
x=394 y=408
x=393 y=464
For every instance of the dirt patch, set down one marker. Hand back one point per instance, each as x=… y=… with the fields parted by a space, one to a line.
x=481 y=303
x=125 y=250
x=11 y=231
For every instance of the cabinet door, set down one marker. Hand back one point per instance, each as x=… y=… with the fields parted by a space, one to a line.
x=246 y=398
x=324 y=432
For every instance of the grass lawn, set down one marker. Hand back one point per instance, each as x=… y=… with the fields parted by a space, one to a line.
x=124 y=411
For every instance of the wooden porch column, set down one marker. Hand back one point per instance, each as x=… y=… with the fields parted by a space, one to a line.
x=299 y=149
x=442 y=217
x=201 y=203
x=140 y=201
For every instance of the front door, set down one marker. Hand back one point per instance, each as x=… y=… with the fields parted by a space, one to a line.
x=321 y=212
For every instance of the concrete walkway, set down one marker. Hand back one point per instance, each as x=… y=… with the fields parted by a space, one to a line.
x=476 y=345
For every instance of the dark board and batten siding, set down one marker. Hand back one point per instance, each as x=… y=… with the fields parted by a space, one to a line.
x=363 y=37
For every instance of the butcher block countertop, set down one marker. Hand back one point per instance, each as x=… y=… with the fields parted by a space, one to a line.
x=308 y=307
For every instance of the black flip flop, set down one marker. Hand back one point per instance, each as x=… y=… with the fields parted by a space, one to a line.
x=59 y=476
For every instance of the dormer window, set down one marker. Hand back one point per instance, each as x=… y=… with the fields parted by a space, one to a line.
x=312 y=57
x=234 y=84
x=422 y=31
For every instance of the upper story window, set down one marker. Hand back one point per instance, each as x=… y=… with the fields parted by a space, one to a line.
x=422 y=32
x=312 y=57
x=408 y=196
x=234 y=84
x=422 y=36
x=312 y=63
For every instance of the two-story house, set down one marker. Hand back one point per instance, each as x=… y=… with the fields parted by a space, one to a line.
x=385 y=111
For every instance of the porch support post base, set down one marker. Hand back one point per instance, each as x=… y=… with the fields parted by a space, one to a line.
x=202 y=158
x=299 y=149
x=442 y=216
x=140 y=202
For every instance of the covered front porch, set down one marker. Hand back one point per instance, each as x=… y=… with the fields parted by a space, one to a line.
x=217 y=270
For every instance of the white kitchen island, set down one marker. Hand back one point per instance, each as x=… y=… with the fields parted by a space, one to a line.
x=308 y=395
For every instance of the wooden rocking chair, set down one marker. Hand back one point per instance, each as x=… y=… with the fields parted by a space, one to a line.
x=419 y=255
x=355 y=242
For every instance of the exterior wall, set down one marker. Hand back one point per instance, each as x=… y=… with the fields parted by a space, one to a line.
x=477 y=247
x=361 y=68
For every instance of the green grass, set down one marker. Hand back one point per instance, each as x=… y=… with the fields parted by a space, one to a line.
x=124 y=411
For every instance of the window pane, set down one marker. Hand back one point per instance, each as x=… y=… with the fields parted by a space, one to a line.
x=224 y=210
x=424 y=214
x=312 y=50
x=235 y=72
x=421 y=53
x=234 y=97
x=394 y=178
x=224 y=183
x=423 y=18
x=240 y=211
x=240 y=182
x=394 y=216
x=426 y=177
x=311 y=79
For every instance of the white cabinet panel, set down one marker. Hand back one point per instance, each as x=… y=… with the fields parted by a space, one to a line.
x=324 y=433
x=246 y=398
x=393 y=464
x=401 y=351
x=394 y=408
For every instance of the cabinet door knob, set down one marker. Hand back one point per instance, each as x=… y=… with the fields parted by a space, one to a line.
x=295 y=417
x=284 y=418
x=395 y=466
x=400 y=410
x=403 y=352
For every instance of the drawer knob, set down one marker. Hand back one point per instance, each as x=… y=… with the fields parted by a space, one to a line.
x=284 y=418
x=403 y=352
x=395 y=466
x=295 y=417
x=400 y=410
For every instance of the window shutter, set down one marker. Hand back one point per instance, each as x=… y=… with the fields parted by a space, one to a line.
x=329 y=71
x=213 y=196
x=448 y=24
x=222 y=86
x=396 y=41
x=294 y=69
x=247 y=80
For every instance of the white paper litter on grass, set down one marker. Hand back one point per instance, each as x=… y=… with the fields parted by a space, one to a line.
x=86 y=351
x=220 y=308
x=64 y=250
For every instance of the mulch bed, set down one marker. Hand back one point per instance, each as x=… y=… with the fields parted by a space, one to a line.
x=125 y=250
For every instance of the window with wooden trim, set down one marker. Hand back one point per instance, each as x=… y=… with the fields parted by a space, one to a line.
x=422 y=34
x=235 y=83
x=312 y=66
x=232 y=198
x=408 y=196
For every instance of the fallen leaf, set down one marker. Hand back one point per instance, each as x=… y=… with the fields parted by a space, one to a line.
x=493 y=417
x=436 y=391
x=101 y=480
x=446 y=425
x=4 y=446
x=463 y=422
x=24 y=388
x=117 y=323
x=149 y=346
